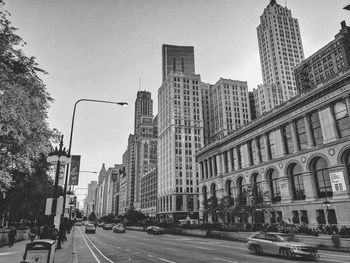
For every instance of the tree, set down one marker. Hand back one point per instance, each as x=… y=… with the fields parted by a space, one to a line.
x=25 y=137
x=134 y=216
x=251 y=202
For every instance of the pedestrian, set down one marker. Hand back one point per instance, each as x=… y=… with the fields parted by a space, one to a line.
x=12 y=236
x=32 y=233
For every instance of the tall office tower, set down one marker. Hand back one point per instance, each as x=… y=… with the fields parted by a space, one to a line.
x=89 y=202
x=143 y=107
x=146 y=141
x=129 y=157
x=99 y=190
x=180 y=135
x=267 y=97
x=205 y=87
x=229 y=107
x=177 y=59
x=326 y=64
x=280 y=47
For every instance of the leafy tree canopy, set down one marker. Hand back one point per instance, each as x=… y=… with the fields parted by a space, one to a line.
x=25 y=136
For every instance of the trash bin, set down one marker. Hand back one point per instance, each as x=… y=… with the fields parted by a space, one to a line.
x=40 y=251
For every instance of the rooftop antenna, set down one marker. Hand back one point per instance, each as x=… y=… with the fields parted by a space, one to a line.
x=140 y=84
x=285 y=3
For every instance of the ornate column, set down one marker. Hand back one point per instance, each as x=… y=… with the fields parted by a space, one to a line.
x=347 y=101
x=294 y=137
x=310 y=186
x=195 y=203
x=223 y=164
x=229 y=160
x=219 y=164
x=206 y=169
x=328 y=127
x=309 y=136
x=173 y=202
x=235 y=159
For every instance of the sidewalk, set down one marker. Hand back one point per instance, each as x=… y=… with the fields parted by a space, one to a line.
x=15 y=254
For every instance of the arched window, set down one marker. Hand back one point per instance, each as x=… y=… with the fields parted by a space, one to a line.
x=322 y=180
x=213 y=190
x=256 y=182
x=240 y=185
x=274 y=185
x=229 y=188
x=294 y=173
x=342 y=119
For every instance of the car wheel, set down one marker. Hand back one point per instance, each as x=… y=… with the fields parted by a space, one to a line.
x=285 y=252
x=255 y=249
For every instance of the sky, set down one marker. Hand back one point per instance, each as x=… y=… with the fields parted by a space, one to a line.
x=110 y=49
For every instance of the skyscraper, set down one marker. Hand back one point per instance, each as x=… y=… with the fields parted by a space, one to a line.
x=280 y=48
x=143 y=107
x=177 y=59
x=181 y=134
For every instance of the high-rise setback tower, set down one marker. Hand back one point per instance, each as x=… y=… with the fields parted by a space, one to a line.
x=177 y=59
x=280 y=48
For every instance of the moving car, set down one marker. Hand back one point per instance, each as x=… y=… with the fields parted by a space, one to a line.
x=280 y=244
x=154 y=230
x=90 y=229
x=107 y=226
x=119 y=229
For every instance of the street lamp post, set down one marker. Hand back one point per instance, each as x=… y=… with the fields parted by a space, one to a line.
x=71 y=137
x=58 y=156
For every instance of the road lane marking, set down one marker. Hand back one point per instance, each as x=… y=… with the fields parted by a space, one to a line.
x=170 y=249
x=92 y=252
x=127 y=249
x=165 y=260
x=334 y=255
x=226 y=260
x=97 y=249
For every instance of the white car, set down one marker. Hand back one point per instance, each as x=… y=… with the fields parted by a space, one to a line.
x=279 y=244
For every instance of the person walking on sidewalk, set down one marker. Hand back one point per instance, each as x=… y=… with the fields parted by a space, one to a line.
x=12 y=235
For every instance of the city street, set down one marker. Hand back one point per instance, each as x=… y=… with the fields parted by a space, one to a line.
x=135 y=246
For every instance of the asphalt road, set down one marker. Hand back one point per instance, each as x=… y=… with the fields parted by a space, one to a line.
x=136 y=247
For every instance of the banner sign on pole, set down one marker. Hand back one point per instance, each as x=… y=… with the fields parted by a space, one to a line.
x=74 y=170
x=61 y=174
x=48 y=206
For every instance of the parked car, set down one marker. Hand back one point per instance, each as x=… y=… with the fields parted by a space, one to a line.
x=100 y=224
x=78 y=223
x=90 y=229
x=107 y=226
x=119 y=229
x=280 y=244
x=154 y=230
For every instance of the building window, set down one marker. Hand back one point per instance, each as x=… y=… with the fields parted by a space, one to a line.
x=320 y=217
x=301 y=133
x=316 y=128
x=295 y=217
x=342 y=119
x=213 y=190
x=239 y=157
x=287 y=138
x=240 y=185
x=322 y=180
x=229 y=189
x=274 y=186
x=298 y=190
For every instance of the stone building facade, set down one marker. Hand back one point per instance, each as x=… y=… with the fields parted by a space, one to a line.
x=299 y=153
